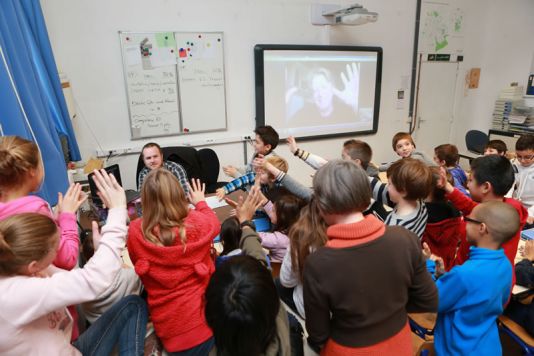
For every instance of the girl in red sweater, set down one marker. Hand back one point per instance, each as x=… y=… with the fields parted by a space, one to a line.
x=171 y=250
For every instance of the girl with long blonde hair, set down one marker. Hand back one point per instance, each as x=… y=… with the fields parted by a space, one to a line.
x=171 y=250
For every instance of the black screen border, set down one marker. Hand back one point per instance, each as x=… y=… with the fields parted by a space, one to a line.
x=259 y=81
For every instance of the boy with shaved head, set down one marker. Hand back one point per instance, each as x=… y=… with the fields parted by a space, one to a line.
x=473 y=295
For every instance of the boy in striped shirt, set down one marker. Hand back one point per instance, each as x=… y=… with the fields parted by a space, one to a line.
x=409 y=182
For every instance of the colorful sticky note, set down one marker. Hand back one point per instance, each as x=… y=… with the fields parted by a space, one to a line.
x=182 y=53
x=165 y=39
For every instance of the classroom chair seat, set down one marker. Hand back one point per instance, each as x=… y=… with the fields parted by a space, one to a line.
x=517 y=333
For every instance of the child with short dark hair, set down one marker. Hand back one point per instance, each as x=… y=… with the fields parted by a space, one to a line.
x=244 y=312
x=409 y=182
x=495 y=147
x=230 y=236
x=447 y=156
x=404 y=146
x=491 y=178
x=473 y=295
x=264 y=143
x=524 y=174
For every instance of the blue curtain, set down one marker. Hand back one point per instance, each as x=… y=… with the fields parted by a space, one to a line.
x=28 y=70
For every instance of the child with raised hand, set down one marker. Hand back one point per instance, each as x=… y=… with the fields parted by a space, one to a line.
x=404 y=146
x=445 y=224
x=491 y=177
x=35 y=293
x=171 y=249
x=473 y=295
x=447 y=156
x=355 y=150
x=21 y=173
x=255 y=322
x=283 y=214
x=264 y=143
x=267 y=181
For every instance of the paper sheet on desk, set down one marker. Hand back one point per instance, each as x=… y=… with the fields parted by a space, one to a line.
x=518 y=289
x=213 y=202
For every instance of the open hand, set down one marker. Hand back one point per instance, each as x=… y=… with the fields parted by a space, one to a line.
x=426 y=251
x=443 y=183
x=73 y=199
x=220 y=193
x=109 y=190
x=230 y=171
x=196 y=191
x=292 y=144
x=245 y=209
x=351 y=83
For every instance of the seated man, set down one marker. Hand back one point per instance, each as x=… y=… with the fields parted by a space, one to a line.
x=153 y=158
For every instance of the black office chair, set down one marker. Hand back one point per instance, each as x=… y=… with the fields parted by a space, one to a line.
x=476 y=141
x=210 y=169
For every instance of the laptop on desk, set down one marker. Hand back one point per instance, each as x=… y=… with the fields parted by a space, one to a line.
x=131 y=195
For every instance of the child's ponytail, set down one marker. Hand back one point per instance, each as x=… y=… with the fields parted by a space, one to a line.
x=17 y=157
x=25 y=238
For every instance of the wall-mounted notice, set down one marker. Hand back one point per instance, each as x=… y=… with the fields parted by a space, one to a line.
x=201 y=81
x=174 y=82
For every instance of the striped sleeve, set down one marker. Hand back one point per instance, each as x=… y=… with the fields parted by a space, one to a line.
x=380 y=192
x=243 y=181
x=416 y=223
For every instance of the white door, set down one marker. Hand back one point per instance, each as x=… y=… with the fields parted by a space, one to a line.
x=437 y=89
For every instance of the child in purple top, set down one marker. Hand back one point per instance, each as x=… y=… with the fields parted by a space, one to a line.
x=283 y=214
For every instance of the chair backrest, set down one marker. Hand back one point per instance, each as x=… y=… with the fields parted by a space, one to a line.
x=475 y=141
x=210 y=165
x=185 y=156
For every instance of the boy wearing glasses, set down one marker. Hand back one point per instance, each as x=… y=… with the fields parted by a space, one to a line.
x=524 y=174
x=473 y=295
x=491 y=178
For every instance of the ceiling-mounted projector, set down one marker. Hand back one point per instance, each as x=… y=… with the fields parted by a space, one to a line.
x=326 y=14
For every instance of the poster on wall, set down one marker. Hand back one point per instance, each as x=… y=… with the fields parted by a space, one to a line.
x=442 y=28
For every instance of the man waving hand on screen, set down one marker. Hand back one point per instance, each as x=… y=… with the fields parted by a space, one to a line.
x=321 y=100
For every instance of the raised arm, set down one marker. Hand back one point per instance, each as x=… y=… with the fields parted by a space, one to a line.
x=312 y=160
x=65 y=288
x=69 y=243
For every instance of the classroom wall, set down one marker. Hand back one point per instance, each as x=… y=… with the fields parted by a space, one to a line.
x=84 y=37
x=500 y=43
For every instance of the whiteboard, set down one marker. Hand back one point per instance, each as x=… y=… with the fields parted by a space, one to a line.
x=201 y=81
x=173 y=88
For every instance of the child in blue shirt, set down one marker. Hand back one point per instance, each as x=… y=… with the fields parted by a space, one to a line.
x=447 y=156
x=473 y=295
